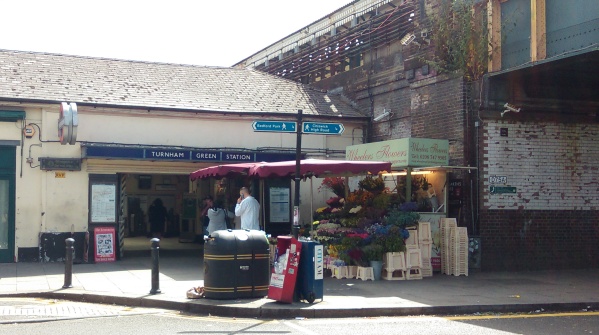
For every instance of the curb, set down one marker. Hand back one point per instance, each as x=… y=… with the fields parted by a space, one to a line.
x=291 y=311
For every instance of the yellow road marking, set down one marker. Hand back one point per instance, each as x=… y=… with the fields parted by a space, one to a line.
x=519 y=316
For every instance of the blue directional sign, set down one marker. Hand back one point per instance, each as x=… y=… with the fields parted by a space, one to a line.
x=323 y=128
x=275 y=126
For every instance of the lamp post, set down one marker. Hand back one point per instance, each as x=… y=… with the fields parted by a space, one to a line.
x=298 y=156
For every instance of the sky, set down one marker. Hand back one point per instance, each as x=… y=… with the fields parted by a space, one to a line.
x=200 y=32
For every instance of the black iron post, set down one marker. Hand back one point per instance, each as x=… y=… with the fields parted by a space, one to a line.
x=155 y=269
x=68 y=263
x=298 y=156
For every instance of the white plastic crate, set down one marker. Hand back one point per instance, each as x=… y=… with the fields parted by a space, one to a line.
x=459 y=261
x=427 y=267
x=424 y=232
x=446 y=225
x=414 y=273
x=394 y=261
x=365 y=273
x=426 y=264
x=412 y=240
x=413 y=259
x=393 y=275
x=339 y=272
x=426 y=249
x=352 y=271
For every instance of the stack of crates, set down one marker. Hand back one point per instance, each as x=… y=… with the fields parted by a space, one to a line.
x=446 y=225
x=458 y=251
x=413 y=256
x=425 y=241
x=394 y=266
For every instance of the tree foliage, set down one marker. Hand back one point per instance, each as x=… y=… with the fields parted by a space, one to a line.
x=459 y=38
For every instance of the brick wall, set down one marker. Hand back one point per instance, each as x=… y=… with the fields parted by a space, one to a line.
x=553 y=166
x=552 y=221
x=438 y=111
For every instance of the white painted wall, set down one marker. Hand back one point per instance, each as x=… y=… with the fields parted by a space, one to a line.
x=194 y=131
x=45 y=203
x=552 y=165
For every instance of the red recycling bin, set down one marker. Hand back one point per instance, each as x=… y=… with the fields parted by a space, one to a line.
x=284 y=274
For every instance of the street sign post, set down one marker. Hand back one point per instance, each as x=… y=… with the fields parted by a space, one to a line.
x=275 y=126
x=322 y=128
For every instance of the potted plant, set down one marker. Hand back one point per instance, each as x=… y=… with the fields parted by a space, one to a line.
x=404 y=216
x=373 y=253
x=393 y=246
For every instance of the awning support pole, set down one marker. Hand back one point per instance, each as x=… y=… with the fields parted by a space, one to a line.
x=409 y=185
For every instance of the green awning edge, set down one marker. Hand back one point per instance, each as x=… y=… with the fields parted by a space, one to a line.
x=11 y=116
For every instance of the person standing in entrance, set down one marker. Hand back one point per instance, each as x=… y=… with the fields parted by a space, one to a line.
x=157 y=216
x=248 y=209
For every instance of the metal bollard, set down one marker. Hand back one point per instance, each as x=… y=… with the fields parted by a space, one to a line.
x=68 y=264
x=155 y=258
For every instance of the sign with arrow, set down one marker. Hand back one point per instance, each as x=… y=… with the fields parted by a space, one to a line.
x=322 y=128
x=275 y=126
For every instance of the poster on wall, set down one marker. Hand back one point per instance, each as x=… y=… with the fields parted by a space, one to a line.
x=103 y=203
x=104 y=250
x=279 y=204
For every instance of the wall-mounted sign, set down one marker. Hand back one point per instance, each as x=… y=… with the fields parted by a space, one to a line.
x=68 y=123
x=68 y=164
x=498 y=180
x=167 y=154
x=503 y=132
x=404 y=152
x=502 y=189
x=322 y=128
x=455 y=189
x=60 y=174
x=274 y=126
x=103 y=203
x=279 y=204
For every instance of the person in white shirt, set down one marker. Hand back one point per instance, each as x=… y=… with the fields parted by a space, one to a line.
x=248 y=209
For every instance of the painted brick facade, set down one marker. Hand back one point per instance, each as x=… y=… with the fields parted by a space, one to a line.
x=553 y=219
x=553 y=166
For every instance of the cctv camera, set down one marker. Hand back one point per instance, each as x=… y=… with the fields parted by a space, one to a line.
x=407 y=39
x=511 y=108
x=382 y=116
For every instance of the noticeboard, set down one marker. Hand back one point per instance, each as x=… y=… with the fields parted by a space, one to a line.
x=103 y=203
x=104 y=244
x=279 y=204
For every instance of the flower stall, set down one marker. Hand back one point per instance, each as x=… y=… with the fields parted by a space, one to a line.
x=365 y=228
x=418 y=181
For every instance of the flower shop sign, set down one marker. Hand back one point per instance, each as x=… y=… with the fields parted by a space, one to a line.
x=403 y=152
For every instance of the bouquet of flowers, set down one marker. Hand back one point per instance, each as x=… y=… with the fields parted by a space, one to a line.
x=334 y=184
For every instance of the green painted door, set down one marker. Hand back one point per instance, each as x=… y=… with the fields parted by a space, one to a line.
x=7 y=204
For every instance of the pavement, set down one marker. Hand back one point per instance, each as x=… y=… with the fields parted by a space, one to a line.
x=128 y=283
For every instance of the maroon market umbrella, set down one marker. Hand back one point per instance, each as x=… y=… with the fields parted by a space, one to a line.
x=223 y=170
x=318 y=168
